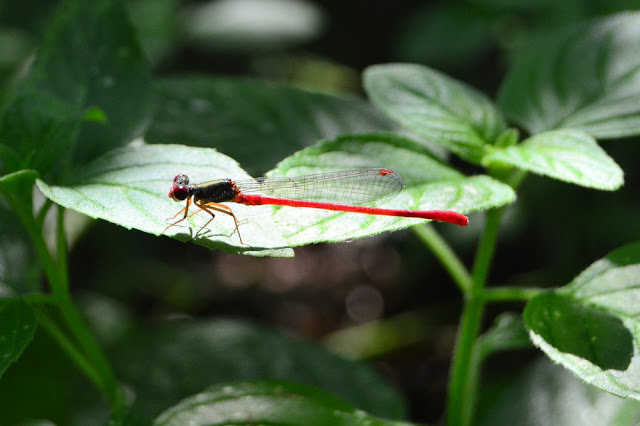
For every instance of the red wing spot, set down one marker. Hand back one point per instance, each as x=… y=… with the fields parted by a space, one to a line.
x=384 y=172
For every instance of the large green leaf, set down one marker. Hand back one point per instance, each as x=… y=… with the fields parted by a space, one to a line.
x=591 y=325
x=254 y=121
x=36 y=131
x=17 y=325
x=545 y=394
x=170 y=361
x=266 y=402
x=585 y=77
x=436 y=107
x=566 y=154
x=129 y=187
x=88 y=67
x=104 y=69
x=430 y=185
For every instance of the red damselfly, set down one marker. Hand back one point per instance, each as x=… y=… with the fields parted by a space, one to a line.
x=345 y=190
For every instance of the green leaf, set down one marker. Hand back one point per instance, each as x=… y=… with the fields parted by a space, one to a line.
x=430 y=185
x=156 y=26
x=507 y=138
x=90 y=60
x=591 y=325
x=576 y=328
x=464 y=35
x=566 y=154
x=17 y=325
x=18 y=181
x=167 y=362
x=265 y=402
x=37 y=131
x=129 y=187
x=585 y=77
x=254 y=121
x=436 y=107
x=545 y=394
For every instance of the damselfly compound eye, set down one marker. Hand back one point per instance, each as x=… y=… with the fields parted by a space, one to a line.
x=179 y=192
x=181 y=179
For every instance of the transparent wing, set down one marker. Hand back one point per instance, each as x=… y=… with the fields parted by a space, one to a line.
x=359 y=186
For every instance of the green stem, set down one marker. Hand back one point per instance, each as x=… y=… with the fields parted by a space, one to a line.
x=465 y=367
x=81 y=346
x=516 y=179
x=461 y=395
x=40 y=299
x=42 y=214
x=23 y=209
x=78 y=327
x=510 y=294
x=67 y=345
x=61 y=251
x=445 y=255
x=485 y=250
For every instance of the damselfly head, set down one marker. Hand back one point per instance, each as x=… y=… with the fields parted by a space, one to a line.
x=181 y=179
x=180 y=189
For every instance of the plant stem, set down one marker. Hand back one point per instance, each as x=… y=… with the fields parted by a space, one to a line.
x=460 y=405
x=465 y=367
x=82 y=346
x=445 y=255
x=67 y=345
x=485 y=251
x=510 y=294
x=61 y=251
x=42 y=214
x=80 y=330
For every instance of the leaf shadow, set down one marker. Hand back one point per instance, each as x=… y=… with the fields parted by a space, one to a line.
x=208 y=240
x=581 y=330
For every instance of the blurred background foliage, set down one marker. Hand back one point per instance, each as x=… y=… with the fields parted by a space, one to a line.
x=336 y=293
